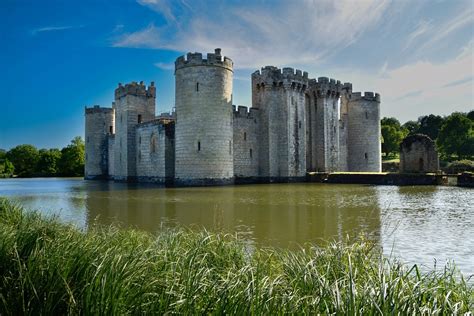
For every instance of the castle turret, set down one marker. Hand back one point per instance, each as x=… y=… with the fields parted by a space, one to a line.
x=134 y=104
x=204 y=132
x=99 y=125
x=279 y=94
x=363 y=143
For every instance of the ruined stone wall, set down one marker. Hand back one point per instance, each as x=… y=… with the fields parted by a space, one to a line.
x=280 y=97
x=364 y=145
x=418 y=155
x=134 y=103
x=153 y=146
x=204 y=131
x=246 y=142
x=99 y=123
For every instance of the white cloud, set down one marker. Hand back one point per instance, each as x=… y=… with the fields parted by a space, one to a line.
x=54 y=28
x=257 y=34
x=422 y=28
x=164 y=66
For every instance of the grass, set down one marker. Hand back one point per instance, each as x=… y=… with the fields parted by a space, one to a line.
x=47 y=267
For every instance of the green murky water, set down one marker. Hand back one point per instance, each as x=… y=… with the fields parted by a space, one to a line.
x=416 y=224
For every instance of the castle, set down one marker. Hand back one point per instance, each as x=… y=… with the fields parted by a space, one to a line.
x=295 y=125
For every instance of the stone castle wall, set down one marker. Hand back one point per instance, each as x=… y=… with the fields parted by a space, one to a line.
x=134 y=103
x=99 y=124
x=154 y=144
x=246 y=144
x=364 y=145
x=204 y=131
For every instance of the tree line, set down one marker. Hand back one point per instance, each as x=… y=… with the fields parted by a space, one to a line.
x=27 y=161
x=453 y=134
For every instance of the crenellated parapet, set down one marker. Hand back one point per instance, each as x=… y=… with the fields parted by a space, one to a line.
x=212 y=59
x=136 y=89
x=272 y=77
x=245 y=112
x=97 y=109
x=367 y=96
x=326 y=87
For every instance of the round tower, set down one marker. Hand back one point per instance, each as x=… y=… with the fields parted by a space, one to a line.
x=99 y=124
x=363 y=135
x=204 y=131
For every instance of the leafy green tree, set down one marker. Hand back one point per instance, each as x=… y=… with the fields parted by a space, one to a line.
x=470 y=115
x=392 y=134
x=3 y=154
x=8 y=167
x=456 y=136
x=430 y=125
x=412 y=127
x=73 y=158
x=24 y=158
x=49 y=161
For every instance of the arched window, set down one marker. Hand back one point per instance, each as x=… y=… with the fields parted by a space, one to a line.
x=197 y=86
x=245 y=135
x=199 y=146
x=153 y=143
x=250 y=153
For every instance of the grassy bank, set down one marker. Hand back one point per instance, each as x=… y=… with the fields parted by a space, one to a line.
x=48 y=267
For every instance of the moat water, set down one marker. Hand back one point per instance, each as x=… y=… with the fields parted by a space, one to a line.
x=423 y=224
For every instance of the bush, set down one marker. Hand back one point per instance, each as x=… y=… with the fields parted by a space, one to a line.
x=459 y=166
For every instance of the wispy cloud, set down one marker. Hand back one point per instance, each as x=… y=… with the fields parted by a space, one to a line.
x=54 y=28
x=259 y=33
x=422 y=28
x=165 y=66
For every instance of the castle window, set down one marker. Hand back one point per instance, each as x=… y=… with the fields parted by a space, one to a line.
x=230 y=147
x=197 y=86
x=299 y=124
x=199 y=146
x=366 y=156
x=111 y=129
x=121 y=118
x=152 y=143
x=139 y=156
x=139 y=140
x=139 y=118
x=245 y=136
x=250 y=153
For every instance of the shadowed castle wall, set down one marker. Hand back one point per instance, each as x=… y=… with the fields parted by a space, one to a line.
x=246 y=144
x=99 y=123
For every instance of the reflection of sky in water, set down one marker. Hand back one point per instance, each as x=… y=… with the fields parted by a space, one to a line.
x=416 y=224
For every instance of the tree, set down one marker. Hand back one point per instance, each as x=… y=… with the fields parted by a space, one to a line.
x=3 y=154
x=392 y=134
x=8 y=167
x=412 y=127
x=72 y=158
x=456 y=136
x=48 y=161
x=430 y=125
x=470 y=115
x=24 y=158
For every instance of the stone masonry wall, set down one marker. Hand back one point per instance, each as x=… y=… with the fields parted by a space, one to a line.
x=98 y=124
x=364 y=146
x=134 y=103
x=111 y=154
x=152 y=147
x=418 y=155
x=204 y=131
x=246 y=143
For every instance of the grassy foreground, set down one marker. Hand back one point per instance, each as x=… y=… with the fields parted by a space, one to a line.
x=47 y=267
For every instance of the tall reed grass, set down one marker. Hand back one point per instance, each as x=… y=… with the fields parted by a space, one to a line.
x=47 y=267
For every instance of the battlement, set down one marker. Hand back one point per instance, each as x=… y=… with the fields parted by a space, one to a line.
x=245 y=112
x=367 y=96
x=272 y=76
x=97 y=109
x=325 y=86
x=136 y=89
x=212 y=59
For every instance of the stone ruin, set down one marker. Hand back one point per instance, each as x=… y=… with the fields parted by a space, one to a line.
x=418 y=154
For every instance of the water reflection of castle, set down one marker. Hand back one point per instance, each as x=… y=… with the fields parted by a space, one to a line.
x=275 y=215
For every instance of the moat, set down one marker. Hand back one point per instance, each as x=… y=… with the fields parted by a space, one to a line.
x=416 y=224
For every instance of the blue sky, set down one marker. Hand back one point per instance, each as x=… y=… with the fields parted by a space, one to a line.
x=58 y=56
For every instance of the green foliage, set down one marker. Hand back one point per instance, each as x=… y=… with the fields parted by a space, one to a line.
x=456 y=136
x=392 y=134
x=48 y=163
x=430 y=125
x=412 y=127
x=459 y=166
x=24 y=158
x=3 y=154
x=51 y=268
x=73 y=158
x=470 y=115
